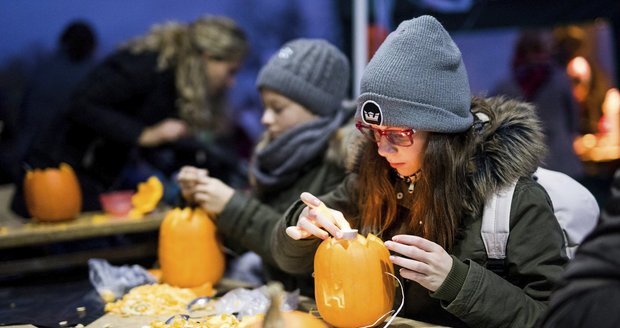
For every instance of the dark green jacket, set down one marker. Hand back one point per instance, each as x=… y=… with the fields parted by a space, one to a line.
x=247 y=221
x=471 y=295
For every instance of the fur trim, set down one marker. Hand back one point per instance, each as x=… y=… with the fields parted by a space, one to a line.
x=509 y=146
x=340 y=150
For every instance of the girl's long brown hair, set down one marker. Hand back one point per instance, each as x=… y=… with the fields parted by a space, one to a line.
x=438 y=197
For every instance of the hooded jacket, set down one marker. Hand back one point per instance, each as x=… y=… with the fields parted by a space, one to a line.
x=508 y=147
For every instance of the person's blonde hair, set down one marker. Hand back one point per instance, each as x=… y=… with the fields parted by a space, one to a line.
x=182 y=48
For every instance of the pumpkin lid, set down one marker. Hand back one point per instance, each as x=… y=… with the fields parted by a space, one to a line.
x=148 y=196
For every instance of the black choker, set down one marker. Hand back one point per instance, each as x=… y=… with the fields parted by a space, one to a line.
x=411 y=180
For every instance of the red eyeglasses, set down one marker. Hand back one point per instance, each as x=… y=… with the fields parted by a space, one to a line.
x=397 y=137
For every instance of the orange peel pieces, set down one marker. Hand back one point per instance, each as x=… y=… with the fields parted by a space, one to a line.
x=148 y=196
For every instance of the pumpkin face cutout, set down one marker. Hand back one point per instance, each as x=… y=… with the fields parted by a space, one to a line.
x=53 y=194
x=352 y=288
x=189 y=250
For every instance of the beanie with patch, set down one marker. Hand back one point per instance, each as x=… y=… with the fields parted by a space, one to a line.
x=417 y=79
x=311 y=72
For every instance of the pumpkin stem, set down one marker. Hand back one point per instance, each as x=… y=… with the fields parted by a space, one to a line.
x=273 y=316
x=26 y=167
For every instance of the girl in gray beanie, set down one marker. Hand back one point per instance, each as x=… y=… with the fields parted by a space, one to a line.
x=431 y=157
x=302 y=87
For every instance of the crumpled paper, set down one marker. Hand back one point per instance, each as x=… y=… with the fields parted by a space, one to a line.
x=112 y=282
x=246 y=302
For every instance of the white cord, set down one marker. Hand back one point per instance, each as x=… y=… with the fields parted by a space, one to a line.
x=402 y=303
x=402 y=292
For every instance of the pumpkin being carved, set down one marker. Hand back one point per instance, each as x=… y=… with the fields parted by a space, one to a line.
x=190 y=254
x=352 y=288
x=52 y=194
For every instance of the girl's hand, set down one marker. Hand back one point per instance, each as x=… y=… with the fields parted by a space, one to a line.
x=318 y=220
x=423 y=261
x=187 y=180
x=212 y=194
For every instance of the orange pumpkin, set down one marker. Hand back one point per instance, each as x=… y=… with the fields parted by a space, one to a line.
x=352 y=288
x=53 y=194
x=290 y=319
x=276 y=318
x=190 y=254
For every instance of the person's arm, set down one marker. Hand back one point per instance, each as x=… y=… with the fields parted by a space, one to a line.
x=102 y=100
x=535 y=261
x=297 y=256
x=247 y=223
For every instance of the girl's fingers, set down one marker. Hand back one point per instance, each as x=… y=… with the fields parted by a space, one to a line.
x=297 y=233
x=331 y=220
x=419 y=242
x=412 y=275
x=204 y=185
x=201 y=188
x=407 y=250
x=202 y=173
x=190 y=173
x=342 y=223
x=201 y=197
x=310 y=227
x=410 y=264
x=310 y=200
x=326 y=220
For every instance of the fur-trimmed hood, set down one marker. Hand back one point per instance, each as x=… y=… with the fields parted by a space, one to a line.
x=505 y=142
x=509 y=144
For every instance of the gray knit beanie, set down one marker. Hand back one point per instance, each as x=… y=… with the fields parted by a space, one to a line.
x=417 y=79
x=311 y=72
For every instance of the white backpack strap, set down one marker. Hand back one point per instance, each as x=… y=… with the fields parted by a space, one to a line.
x=496 y=222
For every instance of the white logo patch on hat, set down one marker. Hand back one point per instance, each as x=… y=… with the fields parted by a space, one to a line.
x=371 y=113
x=285 y=52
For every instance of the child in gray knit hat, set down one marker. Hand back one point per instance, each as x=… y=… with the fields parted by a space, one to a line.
x=302 y=88
x=431 y=157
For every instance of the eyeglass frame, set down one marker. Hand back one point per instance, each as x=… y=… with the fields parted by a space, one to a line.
x=407 y=132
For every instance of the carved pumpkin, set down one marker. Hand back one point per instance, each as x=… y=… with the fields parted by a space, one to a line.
x=352 y=288
x=189 y=250
x=53 y=194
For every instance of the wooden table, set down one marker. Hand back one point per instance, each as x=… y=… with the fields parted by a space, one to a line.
x=111 y=320
x=17 y=233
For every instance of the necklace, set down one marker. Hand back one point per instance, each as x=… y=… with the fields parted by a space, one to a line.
x=411 y=180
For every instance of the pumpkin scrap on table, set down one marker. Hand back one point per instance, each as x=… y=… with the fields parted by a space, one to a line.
x=53 y=194
x=155 y=299
x=147 y=197
x=215 y=321
x=204 y=290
